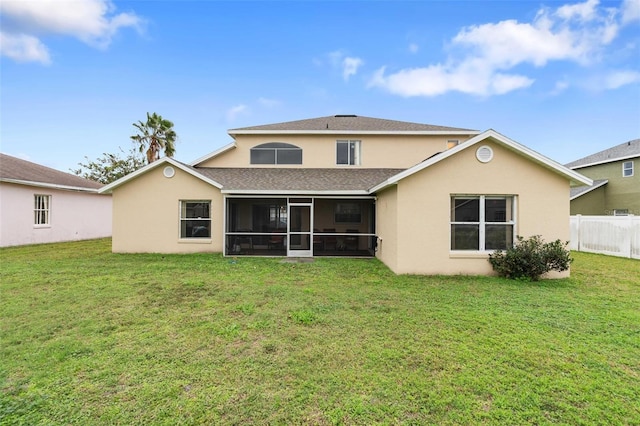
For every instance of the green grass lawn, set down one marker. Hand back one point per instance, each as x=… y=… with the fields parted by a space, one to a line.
x=91 y=337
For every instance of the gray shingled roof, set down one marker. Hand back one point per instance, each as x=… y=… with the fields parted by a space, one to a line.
x=624 y=150
x=291 y=179
x=12 y=168
x=578 y=191
x=349 y=123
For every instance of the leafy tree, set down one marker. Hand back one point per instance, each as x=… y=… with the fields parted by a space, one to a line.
x=110 y=167
x=155 y=135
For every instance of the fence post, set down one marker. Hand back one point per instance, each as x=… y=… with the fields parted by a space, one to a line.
x=578 y=217
x=630 y=235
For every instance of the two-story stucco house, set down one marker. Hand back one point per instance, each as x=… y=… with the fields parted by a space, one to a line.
x=39 y=204
x=616 y=186
x=423 y=199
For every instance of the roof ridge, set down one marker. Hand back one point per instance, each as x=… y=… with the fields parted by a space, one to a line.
x=348 y=122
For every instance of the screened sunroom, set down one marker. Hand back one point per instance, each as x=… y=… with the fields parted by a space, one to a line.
x=300 y=226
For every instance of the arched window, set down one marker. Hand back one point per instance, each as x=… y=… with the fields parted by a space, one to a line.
x=276 y=153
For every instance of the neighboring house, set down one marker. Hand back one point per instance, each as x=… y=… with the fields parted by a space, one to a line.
x=424 y=199
x=616 y=181
x=42 y=205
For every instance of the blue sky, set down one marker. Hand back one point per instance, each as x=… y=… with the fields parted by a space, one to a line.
x=561 y=77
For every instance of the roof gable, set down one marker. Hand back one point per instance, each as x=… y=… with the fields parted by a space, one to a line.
x=624 y=151
x=16 y=170
x=501 y=140
x=349 y=124
x=163 y=161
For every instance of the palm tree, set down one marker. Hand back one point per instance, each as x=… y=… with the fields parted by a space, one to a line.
x=155 y=135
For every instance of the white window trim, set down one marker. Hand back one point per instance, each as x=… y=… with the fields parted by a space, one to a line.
x=46 y=210
x=482 y=224
x=276 y=151
x=624 y=169
x=204 y=240
x=358 y=153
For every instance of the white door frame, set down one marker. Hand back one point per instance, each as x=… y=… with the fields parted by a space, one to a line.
x=291 y=250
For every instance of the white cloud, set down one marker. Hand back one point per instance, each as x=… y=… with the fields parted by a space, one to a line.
x=269 y=103
x=24 y=48
x=235 y=111
x=483 y=55
x=560 y=87
x=438 y=79
x=347 y=65
x=583 y=11
x=617 y=79
x=93 y=22
x=630 y=11
x=350 y=67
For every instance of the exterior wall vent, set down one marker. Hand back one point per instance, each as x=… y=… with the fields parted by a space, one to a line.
x=168 y=172
x=484 y=154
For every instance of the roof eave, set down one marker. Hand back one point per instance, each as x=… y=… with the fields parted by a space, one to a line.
x=165 y=160
x=50 y=185
x=609 y=160
x=233 y=133
x=500 y=139
x=546 y=162
x=354 y=192
x=213 y=154
x=594 y=187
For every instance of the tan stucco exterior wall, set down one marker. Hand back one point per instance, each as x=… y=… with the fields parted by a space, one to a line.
x=423 y=208
x=387 y=227
x=146 y=214
x=319 y=151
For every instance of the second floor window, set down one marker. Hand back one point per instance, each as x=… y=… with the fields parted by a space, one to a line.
x=276 y=153
x=348 y=153
x=627 y=169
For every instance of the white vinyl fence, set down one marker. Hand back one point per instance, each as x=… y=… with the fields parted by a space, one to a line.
x=612 y=235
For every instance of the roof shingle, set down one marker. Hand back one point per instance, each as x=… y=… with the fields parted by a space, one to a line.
x=350 y=123
x=578 y=191
x=628 y=149
x=12 y=168
x=291 y=179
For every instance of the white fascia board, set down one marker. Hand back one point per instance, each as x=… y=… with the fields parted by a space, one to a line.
x=608 y=160
x=537 y=157
x=294 y=192
x=501 y=140
x=355 y=132
x=50 y=185
x=213 y=154
x=155 y=164
x=589 y=190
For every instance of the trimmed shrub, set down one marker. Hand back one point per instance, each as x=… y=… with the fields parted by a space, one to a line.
x=531 y=258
